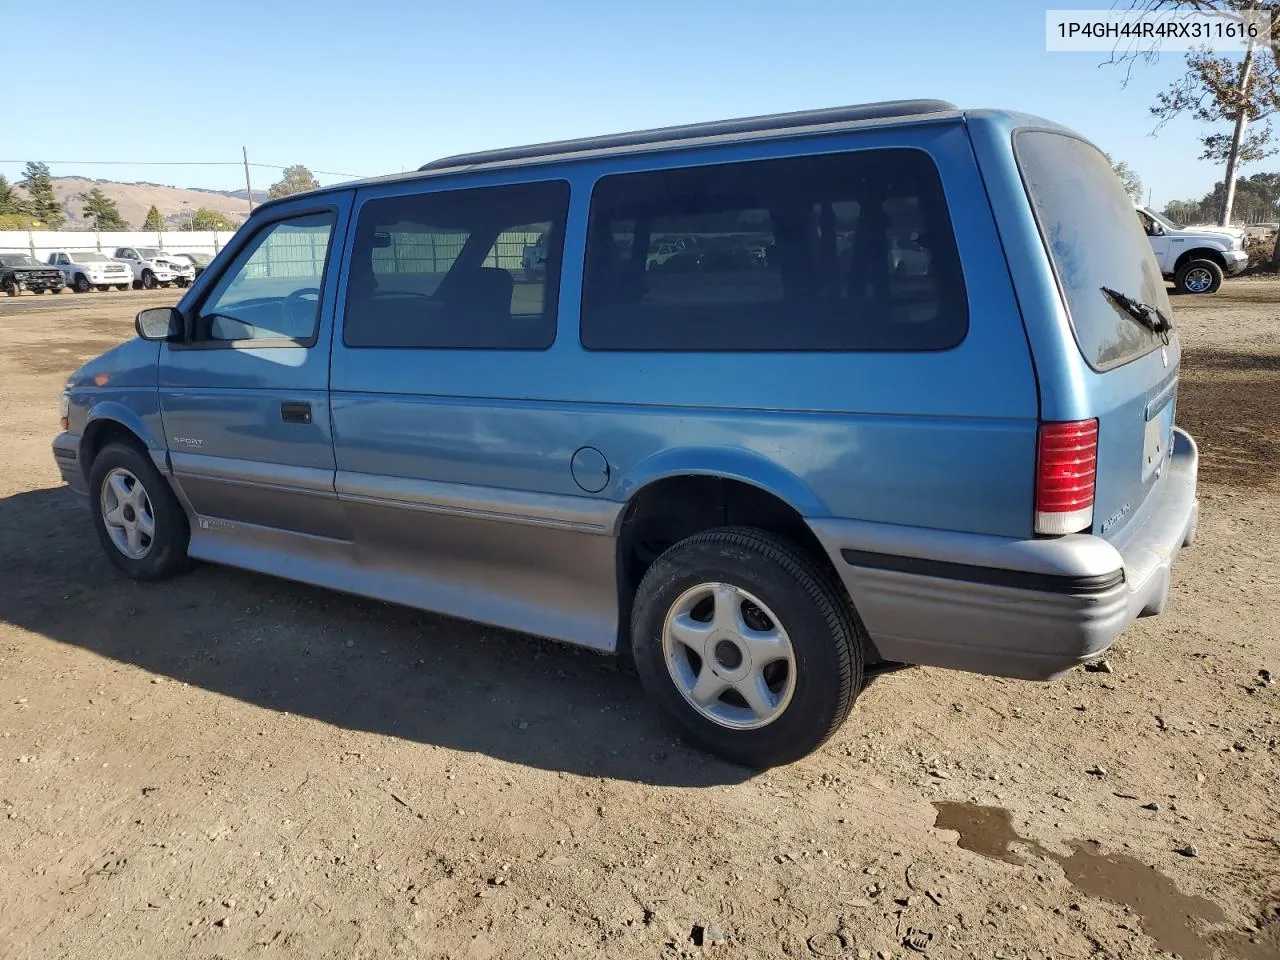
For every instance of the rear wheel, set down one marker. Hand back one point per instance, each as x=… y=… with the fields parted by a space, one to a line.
x=748 y=644
x=1199 y=276
x=139 y=521
x=11 y=287
x=81 y=283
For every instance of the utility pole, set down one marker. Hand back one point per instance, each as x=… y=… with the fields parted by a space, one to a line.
x=248 y=188
x=1242 y=118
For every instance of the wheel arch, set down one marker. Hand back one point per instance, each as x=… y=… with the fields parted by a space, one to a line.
x=681 y=493
x=1199 y=253
x=112 y=421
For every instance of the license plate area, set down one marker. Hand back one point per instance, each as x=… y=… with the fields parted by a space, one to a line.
x=1157 y=442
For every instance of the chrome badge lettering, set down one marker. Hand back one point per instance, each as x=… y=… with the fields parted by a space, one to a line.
x=213 y=523
x=188 y=441
x=1116 y=517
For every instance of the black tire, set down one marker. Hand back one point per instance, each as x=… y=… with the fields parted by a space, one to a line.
x=182 y=282
x=81 y=283
x=167 y=555
x=826 y=637
x=122 y=286
x=11 y=287
x=148 y=280
x=1192 y=275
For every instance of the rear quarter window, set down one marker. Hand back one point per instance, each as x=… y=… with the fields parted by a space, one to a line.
x=836 y=252
x=1094 y=240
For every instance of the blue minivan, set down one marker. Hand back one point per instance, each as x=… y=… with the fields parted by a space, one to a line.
x=785 y=400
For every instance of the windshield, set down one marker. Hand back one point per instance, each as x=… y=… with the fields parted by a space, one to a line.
x=146 y=253
x=89 y=258
x=18 y=260
x=1094 y=241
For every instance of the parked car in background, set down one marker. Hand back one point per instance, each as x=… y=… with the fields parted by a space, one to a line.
x=533 y=260
x=87 y=270
x=758 y=480
x=1194 y=258
x=198 y=261
x=21 y=271
x=152 y=267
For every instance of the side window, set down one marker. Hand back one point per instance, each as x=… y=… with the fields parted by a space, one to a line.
x=851 y=251
x=63 y=260
x=271 y=290
x=456 y=269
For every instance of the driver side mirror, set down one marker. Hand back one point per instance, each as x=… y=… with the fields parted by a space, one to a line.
x=160 y=323
x=1157 y=229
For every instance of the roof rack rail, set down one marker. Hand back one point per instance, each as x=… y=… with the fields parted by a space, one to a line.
x=689 y=131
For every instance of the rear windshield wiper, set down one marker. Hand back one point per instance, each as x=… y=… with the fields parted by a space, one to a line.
x=1147 y=315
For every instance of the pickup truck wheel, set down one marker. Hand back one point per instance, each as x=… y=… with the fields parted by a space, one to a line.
x=81 y=283
x=138 y=519
x=148 y=280
x=1198 y=276
x=750 y=646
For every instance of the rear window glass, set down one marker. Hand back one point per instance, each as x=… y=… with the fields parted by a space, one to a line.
x=1094 y=240
x=850 y=251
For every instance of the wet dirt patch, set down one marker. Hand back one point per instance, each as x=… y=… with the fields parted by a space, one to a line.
x=1230 y=402
x=1178 y=922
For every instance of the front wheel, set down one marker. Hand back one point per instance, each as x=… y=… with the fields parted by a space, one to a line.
x=81 y=283
x=139 y=521
x=148 y=280
x=749 y=645
x=12 y=288
x=1198 y=276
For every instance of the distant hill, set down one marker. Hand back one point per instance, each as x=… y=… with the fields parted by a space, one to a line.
x=135 y=199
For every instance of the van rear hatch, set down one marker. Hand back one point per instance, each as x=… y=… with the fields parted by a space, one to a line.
x=1120 y=319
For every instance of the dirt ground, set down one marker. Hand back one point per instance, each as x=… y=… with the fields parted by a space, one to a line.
x=229 y=766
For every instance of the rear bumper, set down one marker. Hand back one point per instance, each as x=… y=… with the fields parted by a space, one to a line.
x=1031 y=609
x=66 y=454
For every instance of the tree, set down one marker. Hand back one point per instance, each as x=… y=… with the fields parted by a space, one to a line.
x=11 y=202
x=153 y=221
x=41 y=202
x=206 y=219
x=102 y=210
x=296 y=179
x=1240 y=102
x=1128 y=178
x=1217 y=90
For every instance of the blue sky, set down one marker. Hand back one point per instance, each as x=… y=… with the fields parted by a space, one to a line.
x=375 y=88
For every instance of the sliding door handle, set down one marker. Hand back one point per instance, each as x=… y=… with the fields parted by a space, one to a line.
x=295 y=411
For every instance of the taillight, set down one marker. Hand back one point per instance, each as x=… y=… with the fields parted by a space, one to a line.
x=1066 y=468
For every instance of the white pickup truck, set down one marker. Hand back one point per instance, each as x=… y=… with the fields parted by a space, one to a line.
x=152 y=267
x=1194 y=258
x=87 y=270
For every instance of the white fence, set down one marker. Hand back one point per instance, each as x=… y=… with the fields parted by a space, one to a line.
x=40 y=243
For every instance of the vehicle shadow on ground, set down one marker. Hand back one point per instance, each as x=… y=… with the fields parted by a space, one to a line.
x=350 y=662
